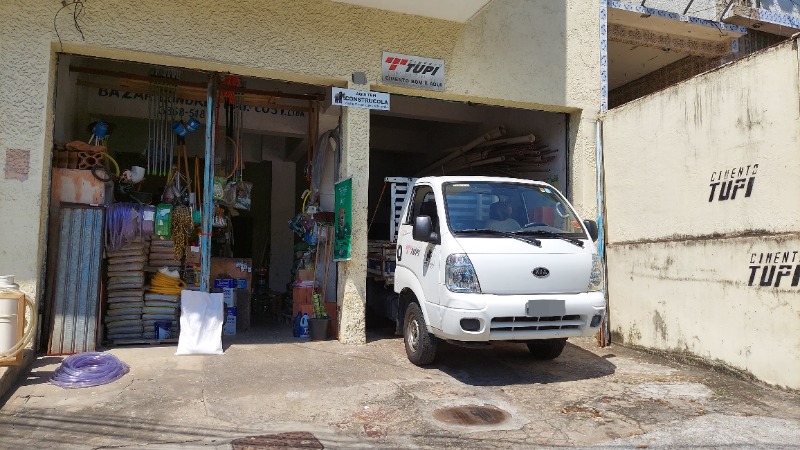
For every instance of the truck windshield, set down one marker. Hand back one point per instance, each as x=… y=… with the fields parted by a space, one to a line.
x=524 y=209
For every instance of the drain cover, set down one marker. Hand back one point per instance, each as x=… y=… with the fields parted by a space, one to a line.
x=283 y=441
x=471 y=415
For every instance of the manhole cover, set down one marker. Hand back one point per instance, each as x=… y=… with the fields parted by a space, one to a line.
x=471 y=415
x=283 y=441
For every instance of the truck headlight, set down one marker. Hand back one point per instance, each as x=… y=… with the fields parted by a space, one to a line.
x=596 y=275
x=460 y=276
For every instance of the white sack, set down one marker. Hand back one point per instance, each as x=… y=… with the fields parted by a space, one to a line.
x=201 y=324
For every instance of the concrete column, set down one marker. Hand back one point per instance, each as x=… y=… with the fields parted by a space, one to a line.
x=353 y=274
x=583 y=164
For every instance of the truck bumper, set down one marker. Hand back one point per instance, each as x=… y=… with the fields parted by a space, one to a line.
x=505 y=318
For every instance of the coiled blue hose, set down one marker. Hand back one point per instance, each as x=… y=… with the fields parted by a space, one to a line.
x=88 y=369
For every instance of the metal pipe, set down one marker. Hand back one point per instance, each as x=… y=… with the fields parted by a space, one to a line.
x=528 y=138
x=476 y=163
x=455 y=153
x=159 y=123
x=171 y=134
x=208 y=183
x=601 y=228
x=688 y=5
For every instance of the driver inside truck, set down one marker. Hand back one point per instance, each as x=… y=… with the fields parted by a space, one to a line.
x=500 y=217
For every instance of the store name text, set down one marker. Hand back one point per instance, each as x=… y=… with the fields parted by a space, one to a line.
x=770 y=269
x=730 y=181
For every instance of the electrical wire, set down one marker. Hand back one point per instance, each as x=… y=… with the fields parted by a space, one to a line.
x=77 y=9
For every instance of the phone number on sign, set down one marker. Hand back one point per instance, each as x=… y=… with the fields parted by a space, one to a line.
x=180 y=112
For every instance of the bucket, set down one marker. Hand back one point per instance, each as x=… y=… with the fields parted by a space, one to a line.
x=318 y=329
x=162 y=329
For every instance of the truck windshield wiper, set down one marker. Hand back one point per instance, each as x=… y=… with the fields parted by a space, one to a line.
x=573 y=241
x=513 y=235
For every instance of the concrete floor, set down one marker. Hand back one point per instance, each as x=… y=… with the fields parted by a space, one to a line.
x=370 y=396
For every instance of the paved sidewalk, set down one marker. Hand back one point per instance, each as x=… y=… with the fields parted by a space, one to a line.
x=370 y=396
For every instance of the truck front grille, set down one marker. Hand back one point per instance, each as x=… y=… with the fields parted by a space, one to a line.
x=524 y=323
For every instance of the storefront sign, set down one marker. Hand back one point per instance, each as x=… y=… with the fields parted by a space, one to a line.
x=112 y=102
x=413 y=71
x=359 y=99
x=343 y=233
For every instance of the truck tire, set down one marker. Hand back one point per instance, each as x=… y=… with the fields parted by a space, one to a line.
x=420 y=345
x=545 y=349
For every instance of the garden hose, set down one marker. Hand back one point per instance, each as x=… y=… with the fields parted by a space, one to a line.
x=165 y=284
x=116 y=166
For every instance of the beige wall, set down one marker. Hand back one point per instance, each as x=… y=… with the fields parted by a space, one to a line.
x=524 y=53
x=685 y=268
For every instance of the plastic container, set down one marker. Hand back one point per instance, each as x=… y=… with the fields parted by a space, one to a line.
x=9 y=311
x=304 y=330
x=7 y=282
x=163 y=329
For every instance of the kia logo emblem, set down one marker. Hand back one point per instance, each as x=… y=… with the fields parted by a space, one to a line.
x=540 y=272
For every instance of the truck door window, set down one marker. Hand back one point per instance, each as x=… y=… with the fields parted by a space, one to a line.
x=423 y=203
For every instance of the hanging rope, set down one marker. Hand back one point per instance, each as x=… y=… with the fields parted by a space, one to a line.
x=375 y=213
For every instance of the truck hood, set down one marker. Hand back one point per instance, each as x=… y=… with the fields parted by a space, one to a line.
x=506 y=266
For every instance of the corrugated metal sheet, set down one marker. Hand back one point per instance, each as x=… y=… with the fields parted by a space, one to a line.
x=76 y=290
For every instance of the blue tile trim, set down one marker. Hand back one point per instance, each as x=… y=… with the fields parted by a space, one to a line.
x=616 y=4
x=603 y=56
x=765 y=15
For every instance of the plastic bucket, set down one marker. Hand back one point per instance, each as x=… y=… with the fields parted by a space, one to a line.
x=318 y=329
x=8 y=323
x=162 y=329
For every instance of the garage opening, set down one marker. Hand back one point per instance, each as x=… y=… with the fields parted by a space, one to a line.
x=128 y=186
x=424 y=137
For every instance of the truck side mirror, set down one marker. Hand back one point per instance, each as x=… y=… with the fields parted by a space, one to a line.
x=591 y=227
x=423 y=229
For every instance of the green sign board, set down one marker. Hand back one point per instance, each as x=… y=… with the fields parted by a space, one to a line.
x=343 y=230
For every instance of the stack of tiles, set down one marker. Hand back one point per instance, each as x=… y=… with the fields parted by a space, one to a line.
x=125 y=289
x=162 y=254
x=160 y=308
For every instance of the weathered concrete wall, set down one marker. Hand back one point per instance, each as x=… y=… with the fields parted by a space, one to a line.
x=703 y=217
x=523 y=53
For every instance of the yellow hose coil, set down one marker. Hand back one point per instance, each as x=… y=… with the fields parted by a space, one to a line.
x=165 y=284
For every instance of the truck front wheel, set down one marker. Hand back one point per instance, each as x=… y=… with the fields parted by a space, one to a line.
x=420 y=345
x=546 y=348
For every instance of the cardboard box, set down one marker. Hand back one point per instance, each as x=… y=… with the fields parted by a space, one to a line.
x=302 y=295
x=228 y=296
x=305 y=274
x=232 y=268
x=229 y=328
x=222 y=283
x=333 y=324
x=192 y=254
x=308 y=309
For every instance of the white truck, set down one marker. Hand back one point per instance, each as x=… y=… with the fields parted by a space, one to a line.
x=482 y=259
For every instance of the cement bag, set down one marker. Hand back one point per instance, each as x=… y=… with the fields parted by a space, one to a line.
x=201 y=324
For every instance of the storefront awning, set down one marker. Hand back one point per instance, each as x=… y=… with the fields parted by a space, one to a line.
x=453 y=10
x=774 y=22
x=642 y=40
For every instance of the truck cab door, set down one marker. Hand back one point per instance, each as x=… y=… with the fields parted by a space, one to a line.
x=422 y=256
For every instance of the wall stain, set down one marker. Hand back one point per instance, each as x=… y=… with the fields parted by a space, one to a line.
x=660 y=325
x=708 y=237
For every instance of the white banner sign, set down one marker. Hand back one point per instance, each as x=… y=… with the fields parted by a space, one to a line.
x=360 y=99
x=413 y=71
